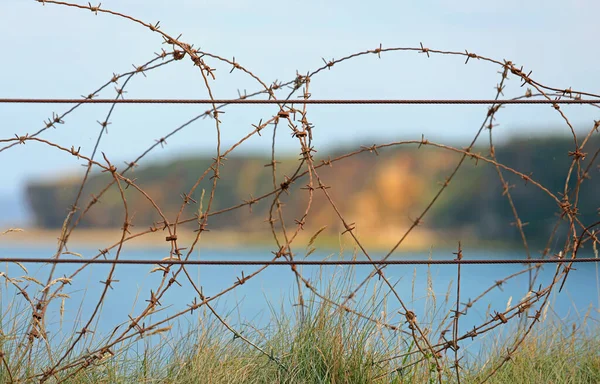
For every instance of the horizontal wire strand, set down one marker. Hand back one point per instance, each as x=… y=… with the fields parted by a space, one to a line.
x=296 y=262
x=301 y=101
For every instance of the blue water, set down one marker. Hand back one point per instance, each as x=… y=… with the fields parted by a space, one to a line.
x=275 y=288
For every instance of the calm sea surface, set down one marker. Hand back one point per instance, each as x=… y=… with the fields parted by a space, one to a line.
x=275 y=289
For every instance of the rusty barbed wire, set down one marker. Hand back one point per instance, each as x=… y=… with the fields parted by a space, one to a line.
x=424 y=350
x=299 y=101
x=24 y=260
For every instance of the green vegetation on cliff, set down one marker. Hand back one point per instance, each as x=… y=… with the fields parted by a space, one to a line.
x=377 y=191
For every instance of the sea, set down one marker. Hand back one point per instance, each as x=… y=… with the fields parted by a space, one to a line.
x=428 y=291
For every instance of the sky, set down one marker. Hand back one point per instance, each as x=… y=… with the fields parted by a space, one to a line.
x=52 y=51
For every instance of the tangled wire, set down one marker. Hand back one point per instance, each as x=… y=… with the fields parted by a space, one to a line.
x=292 y=114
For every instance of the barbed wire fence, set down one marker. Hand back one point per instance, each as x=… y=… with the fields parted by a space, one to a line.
x=429 y=347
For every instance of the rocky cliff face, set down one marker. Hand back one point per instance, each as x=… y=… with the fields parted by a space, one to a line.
x=379 y=192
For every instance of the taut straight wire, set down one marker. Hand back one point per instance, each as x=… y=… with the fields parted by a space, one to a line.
x=300 y=101
x=295 y=262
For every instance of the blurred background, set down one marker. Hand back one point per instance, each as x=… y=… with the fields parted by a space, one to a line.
x=65 y=52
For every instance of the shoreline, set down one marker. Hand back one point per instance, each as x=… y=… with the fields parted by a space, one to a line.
x=419 y=240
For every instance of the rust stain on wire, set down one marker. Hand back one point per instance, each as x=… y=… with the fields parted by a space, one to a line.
x=308 y=101
x=296 y=262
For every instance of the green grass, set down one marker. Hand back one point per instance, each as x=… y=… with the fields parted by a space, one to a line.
x=556 y=353
x=325 y=346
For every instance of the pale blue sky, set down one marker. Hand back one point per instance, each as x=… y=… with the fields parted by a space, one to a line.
x=54 y=51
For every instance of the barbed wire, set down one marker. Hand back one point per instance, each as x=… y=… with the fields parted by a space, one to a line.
x=296 y=262
x=300 y=101
x=70 y=361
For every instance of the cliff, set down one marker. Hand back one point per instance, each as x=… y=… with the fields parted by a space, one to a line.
x=380 y=192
